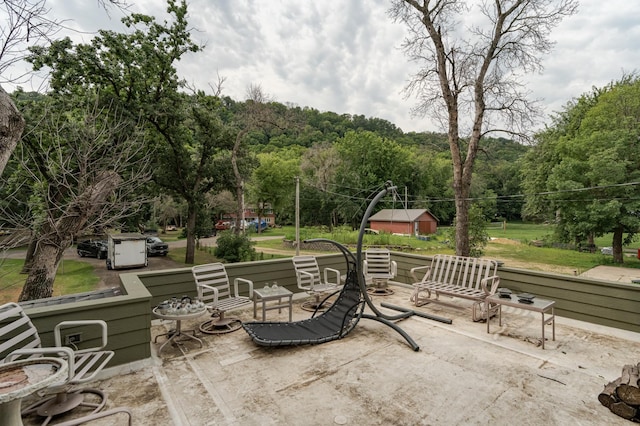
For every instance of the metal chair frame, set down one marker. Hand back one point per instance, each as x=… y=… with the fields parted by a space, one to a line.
x=19 y=339
x=214 y=290
x=311 y=281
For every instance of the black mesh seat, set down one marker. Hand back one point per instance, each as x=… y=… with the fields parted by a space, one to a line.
x=334 y=323
x=344 y=314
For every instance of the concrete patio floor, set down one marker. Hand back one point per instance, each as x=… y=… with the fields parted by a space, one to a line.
x=460 y=376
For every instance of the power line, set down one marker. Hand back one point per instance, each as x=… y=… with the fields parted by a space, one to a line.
x=501 y=198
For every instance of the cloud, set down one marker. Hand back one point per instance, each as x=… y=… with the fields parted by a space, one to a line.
x=344 y=56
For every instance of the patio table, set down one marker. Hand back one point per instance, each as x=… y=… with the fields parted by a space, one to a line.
x=267 y=294
x=542 y=306
x=177 y=336
x=21 y=378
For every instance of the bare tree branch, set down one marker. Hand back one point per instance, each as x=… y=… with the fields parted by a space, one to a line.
x=84 y=170
x=471 y=76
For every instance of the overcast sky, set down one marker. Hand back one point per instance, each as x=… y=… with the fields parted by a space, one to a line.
x=344 y=56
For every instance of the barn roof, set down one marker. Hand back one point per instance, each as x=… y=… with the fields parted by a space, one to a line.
x=398 y=215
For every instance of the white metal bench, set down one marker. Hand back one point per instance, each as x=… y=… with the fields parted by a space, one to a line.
x=456 y=276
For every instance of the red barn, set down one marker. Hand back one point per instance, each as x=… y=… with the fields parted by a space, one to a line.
x=404 y=221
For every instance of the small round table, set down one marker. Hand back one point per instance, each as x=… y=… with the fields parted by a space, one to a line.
x=22 y=378
x=173 y=335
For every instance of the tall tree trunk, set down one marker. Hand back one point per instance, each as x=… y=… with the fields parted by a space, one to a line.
x=55 y=236
x=28 y=260
x=11 y=127
x=46 y=259
x=463 y=248
x=192 y=212
x=617 y=244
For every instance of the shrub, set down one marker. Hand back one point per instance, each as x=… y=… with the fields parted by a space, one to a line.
x=234 y=248
x=478 y=235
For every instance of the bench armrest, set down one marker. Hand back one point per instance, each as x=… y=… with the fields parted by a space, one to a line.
x=249 y=283
x=493 y=281
x=335 y=273
x=427 y=272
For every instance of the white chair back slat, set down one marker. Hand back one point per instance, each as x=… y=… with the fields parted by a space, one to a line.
x=211 y=275
x=378 y=264
x=16 y=331
x=307 y=271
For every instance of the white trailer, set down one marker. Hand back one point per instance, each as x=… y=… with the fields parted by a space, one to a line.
x=126 y=251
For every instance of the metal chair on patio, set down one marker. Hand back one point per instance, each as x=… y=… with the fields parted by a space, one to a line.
x=214 y=290
x=310 y=280
x=19 y=339
x=378 y=269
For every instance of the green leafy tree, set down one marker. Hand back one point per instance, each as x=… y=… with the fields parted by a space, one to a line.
x=432 y=179
x=366 y=162
x=137 y=70
x=318 y=170
x=273 y=181
x=584 y=168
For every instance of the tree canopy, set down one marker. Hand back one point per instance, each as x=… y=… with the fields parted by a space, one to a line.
x=585 y=170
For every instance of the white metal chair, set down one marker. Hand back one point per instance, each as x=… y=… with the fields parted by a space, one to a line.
x=310 y=280
x=19 y=339
x=378 y=270
x=214 y=290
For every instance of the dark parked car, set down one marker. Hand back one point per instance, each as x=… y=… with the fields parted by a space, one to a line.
x=156 y=247
x=93 y=248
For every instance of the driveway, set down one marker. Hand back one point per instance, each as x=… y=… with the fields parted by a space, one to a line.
x=111 y=278
x=613 y=273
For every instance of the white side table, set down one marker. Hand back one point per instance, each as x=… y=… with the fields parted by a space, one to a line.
x=267 y=294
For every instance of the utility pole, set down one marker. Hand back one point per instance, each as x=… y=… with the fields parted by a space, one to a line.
x=297 y=215
x=242 y=226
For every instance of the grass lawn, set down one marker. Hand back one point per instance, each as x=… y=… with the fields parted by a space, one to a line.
x=167 y=236
x=509 y=244
x=178 y=254
x=522 y=232
x=72 y=277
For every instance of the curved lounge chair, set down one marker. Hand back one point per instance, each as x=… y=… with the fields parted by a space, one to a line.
x=341 y=317
x=334 y=323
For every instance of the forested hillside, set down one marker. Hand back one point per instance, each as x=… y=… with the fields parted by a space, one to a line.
x=341 y=159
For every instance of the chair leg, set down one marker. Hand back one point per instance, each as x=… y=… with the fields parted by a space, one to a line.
x=478 y=313
x=421 y=300
x=219 y=324
x=314 y=304
x=63 y=402
x=379 y=287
